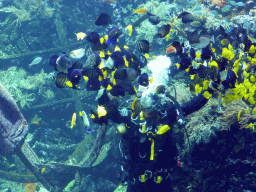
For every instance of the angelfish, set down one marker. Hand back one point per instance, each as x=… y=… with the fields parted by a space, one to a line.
x=85 y=120
x=77 y=54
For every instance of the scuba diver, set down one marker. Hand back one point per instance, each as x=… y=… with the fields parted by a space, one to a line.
x=148 y=149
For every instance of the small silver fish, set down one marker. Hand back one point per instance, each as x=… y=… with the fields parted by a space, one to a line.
x=36 y=61
x=85 y=119
x=100 y=93
x=77 y=54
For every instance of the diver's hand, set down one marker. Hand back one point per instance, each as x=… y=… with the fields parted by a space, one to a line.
x=124 y=112
x=215 y=87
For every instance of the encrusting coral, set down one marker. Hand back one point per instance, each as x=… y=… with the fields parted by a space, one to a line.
x=24 y=8
x=22 y=86
x=30 y=187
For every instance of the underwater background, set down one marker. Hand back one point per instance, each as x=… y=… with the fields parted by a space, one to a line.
x=34 y=30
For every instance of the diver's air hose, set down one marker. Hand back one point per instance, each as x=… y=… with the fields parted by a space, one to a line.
x=177 y=105
x=180 y=113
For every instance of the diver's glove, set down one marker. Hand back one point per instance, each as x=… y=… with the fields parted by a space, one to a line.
x=123 y=177
x=124 y=112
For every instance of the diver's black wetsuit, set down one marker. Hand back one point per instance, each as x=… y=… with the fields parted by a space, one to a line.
x=137 y=154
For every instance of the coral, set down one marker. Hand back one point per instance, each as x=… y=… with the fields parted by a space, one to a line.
x=25 y=99
x=230 y=115
x=30 y=187
x=21 y=14
x=20 y=85
x=36 y=7
x=24 y=8
x=248 y=21
x=203 y=123
x=48 y=94
x=146 y=29
x=219 y=3
x=183 y=93
x=214 y=23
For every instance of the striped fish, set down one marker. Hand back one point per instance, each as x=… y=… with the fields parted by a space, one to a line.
x=61 y=79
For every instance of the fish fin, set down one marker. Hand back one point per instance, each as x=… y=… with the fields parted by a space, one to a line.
x=69 y=84
x=102 y=55
x=212 y=39
x=86 y=78
x=109 y=87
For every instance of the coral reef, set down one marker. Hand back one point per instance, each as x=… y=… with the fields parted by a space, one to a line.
x=230 y=114
x=21 y=86
x=21 y=14
x=48 y=94
x=25 y=8
x=182 y=91
x=203 y=124
x=228 y=147
x=247 y=21
x=146 y=29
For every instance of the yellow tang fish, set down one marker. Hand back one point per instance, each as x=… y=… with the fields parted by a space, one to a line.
x=73 y=121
